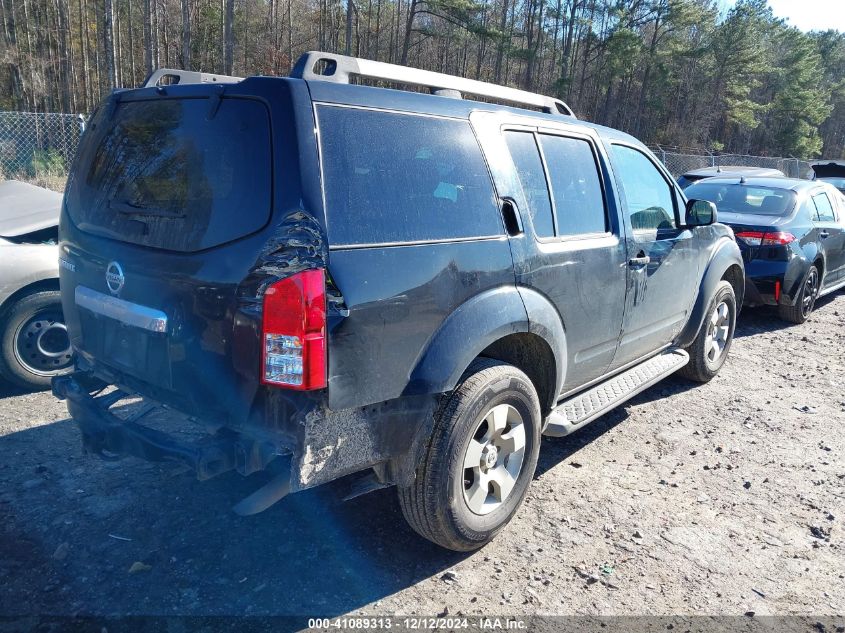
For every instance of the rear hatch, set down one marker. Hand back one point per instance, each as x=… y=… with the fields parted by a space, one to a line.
x=167 y=209
x=832 y=172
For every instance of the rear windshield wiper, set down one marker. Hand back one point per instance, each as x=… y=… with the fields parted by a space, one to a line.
x=131 y=209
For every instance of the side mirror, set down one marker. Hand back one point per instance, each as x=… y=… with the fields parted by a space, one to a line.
x=700 y=213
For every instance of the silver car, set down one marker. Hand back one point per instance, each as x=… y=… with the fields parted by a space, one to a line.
x=34 y=344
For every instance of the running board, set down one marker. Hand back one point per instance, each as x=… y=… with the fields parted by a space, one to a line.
x=580 y=410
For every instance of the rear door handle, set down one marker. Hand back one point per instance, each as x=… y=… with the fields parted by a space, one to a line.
x=824 y=234
x=640 y=260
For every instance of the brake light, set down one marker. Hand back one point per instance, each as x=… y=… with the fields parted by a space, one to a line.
x=778 y=239
x=761 y=238
x=294 y=332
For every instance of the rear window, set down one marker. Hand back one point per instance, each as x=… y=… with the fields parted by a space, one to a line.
x=738 y=198
x=839 y=183
x=392 y=177
x=174 y=174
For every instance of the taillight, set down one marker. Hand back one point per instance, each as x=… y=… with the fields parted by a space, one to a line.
x=761 y=238
x=294 y=332
x=778 y=239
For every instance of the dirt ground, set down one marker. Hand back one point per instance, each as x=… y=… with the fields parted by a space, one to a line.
x=725 y=498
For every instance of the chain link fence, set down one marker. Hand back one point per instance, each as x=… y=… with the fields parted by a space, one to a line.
x=679 y=163
x=38 y=147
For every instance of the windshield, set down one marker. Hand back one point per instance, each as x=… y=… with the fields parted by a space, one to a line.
x=168 y=174
x=736 y=198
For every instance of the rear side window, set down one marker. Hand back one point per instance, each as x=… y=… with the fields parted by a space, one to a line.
x=575 y=184
x=529 y=168
x=166 y=174
x=392 y=177
x=824 y=208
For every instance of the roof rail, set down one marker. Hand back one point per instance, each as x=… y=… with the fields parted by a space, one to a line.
x=188 y=77
x=318 y=66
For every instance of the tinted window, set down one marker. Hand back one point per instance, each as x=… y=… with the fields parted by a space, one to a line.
x=736 y=198
x=824 y=207
x=648 y=196
x=160 y=173
x=529 y=167
x=575 y=184
x=397 y=177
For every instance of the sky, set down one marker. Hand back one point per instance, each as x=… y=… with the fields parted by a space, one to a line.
x=808 y=15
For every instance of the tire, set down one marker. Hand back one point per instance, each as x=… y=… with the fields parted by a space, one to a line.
x=711 y=346
x=463 y=508
x=806 y=300
x=34 y=345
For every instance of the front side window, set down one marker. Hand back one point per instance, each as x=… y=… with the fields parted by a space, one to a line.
x=649 y=198
x=392 y=177
x=575 y=184
x=824 y=208
x=529 y=168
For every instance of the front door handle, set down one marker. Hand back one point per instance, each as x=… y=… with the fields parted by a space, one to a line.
x=638 y=261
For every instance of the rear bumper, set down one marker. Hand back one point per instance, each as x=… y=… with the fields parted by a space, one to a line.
x=111 y=437
x=770 y=282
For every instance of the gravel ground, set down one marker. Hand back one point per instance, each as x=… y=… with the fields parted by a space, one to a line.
x=717 y=499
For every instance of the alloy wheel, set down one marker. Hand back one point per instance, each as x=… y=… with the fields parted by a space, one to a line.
x=811 y=290
x=493 y=459
x=719 y=331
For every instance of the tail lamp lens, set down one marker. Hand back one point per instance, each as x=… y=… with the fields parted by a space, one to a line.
x=761 y=238
x=294 y=332
x=778 y=239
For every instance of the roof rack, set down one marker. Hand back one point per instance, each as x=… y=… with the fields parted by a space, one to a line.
x=188 y=77
x=319 y=66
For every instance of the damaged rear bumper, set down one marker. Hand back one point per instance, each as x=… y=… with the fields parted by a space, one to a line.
x=111 y=437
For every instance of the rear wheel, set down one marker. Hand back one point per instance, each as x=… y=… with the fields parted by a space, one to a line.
x=709 y=350
x=806 y=300
x=479 y=461
x=34 y=343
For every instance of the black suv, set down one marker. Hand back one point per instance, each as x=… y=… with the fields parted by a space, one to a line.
x=338 y=278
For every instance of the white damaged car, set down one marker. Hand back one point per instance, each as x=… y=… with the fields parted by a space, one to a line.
x=34 y=344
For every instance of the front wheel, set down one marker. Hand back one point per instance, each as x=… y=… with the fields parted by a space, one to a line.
x=479 y=461
x=709 y=350
x=34 y=343
x=806 y=300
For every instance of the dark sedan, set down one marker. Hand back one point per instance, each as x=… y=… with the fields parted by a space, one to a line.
x=792 y=236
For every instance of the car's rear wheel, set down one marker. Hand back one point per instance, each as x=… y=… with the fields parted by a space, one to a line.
x=806 y=300
x=709 y=350
x=34 y=343
x=479 y=461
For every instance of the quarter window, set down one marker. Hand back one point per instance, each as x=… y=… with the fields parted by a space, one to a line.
x=649 y=198
x=393 y=177
x=575 y=185
x=529 y=168
x=824 y=208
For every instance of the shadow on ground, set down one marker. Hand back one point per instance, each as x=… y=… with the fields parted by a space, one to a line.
x=765 y=318
x=72 y=527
